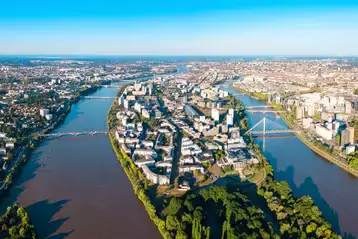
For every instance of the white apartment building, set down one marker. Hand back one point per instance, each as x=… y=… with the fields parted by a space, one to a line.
x=324 y=132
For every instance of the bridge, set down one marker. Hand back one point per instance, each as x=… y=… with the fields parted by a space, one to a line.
x=258 y=107
x=99 y=97
x=267 y=126
x=118 y=86
x=76 y=133
x=265 y=111
x=112 y=86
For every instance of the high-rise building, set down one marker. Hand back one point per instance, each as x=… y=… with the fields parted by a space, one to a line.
x=215 y=114
x=121 y=100
x=229 y=119
x=351 y=135
x=300 y=112
x=345 y=137
x=231 y=111
x=348 y=107
x=137 y=86
x=126 y=104
x=310 y=110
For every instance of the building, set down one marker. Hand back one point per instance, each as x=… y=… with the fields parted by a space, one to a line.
x=154 y=178
x=324 y=132
x=231 y=111
x=351 y=135
x=347 y=136
x=300 y=112
x=2 y=151
x=44 y=112
x=190 y=111
x=306 y=122
x=9 y=145
x=310 y=110
x=350 y=149
x=348 y=107
x=126 y=104
x=145 y=152
x=121 y=100
x=48 y=116
x=229 y=119
x=137 y=86
x=215 y=114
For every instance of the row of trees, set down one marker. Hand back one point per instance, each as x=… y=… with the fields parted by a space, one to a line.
x=15 y=223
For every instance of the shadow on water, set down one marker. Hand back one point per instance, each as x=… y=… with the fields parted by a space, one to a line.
x=308 y=187
x=41 y=214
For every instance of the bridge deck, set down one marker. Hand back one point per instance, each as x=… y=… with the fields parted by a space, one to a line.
x=76 y=133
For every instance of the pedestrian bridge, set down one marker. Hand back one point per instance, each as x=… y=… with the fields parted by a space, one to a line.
x=75 y=133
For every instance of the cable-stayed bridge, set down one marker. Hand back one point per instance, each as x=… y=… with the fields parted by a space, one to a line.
x=267 y=126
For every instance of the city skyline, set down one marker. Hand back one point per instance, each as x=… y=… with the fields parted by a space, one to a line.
x=228 y=28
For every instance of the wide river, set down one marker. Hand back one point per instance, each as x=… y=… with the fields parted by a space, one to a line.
x=81 y=191
x=334 y=190
x=74 y=187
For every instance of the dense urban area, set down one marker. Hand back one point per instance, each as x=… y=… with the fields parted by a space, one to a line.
x=184 y=141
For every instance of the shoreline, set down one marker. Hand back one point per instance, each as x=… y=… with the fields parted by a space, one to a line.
x=303 y=140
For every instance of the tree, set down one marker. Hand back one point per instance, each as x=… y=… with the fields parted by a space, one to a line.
x=353 y=160
x=174 y=206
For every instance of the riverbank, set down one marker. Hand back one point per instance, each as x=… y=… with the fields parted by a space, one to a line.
x=309 y=144
x=318 y=150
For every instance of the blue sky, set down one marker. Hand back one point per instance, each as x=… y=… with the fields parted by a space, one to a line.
x=221 y=27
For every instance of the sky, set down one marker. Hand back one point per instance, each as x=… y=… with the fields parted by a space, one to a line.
x=185 y=27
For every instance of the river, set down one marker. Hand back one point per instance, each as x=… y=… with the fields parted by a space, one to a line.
x=81 y=191
x=334 y=191
x=74 y=187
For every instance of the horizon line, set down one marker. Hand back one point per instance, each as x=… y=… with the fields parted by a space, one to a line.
x=175 y=55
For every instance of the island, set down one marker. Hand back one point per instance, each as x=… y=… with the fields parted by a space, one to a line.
x=185 y=148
